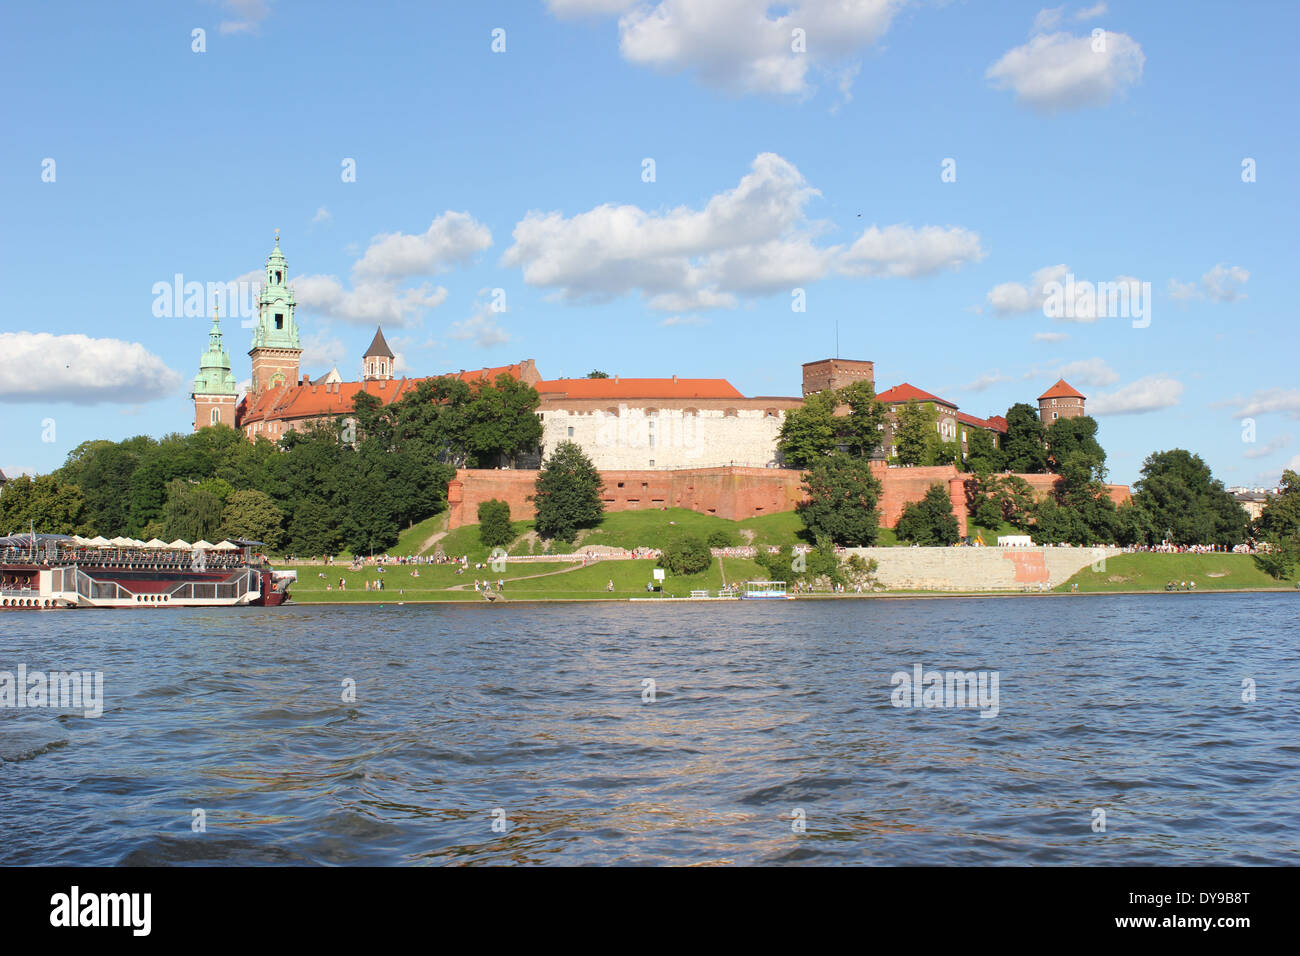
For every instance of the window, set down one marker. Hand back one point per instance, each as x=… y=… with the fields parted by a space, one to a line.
x=279 y=320
x=652 y=464
x=570 y=431
x=277 y=277
x=1054 y=414
x=216 y=415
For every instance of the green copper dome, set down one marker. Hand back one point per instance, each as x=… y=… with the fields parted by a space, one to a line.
x=276 y=328
x=215 y=376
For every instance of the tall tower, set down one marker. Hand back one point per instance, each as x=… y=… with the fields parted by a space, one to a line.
x=835 y=373
x=377 y=363
x=276 y=351
x=1060 y=401
x=214 y=387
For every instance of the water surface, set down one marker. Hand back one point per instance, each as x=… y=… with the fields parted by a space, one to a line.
x=1131 y=704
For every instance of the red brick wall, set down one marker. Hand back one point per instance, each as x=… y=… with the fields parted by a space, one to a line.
x=733 y=493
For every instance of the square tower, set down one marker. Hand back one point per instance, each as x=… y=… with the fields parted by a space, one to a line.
x=833 y=373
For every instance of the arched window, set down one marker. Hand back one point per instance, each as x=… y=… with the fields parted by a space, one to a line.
x=216 y=416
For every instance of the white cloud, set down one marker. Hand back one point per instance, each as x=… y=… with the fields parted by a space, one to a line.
x=754 y=239
x=79 y=370
x=321 y=351
x=684 y=320
x=985 y=382
x=377 y=294
x=1145 y=395
x=1091 y=13
x=1093 y=371
x=1285 y=400
x=481 y=329
x=454 y=238
x=1059 y=71
x=1263 y=451
x=367 y=303
x=903 y=252
x=745 y=46
x=249 y=15
x=1012 y=298
x=1050 y=336
x=322 y=215
x=1047 y=19
x=1223 y=283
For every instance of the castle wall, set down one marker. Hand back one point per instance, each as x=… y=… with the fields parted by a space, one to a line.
x=704 y=433
x=732 y=493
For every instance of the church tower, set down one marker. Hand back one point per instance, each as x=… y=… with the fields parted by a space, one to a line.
x=377 y=363
x=214 y=387
x=276 y=351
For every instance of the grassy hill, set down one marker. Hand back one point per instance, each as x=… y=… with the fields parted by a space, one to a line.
x=1151 y=572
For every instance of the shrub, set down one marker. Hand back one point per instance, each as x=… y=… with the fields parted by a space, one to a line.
x=494 y=527
x=685 y=555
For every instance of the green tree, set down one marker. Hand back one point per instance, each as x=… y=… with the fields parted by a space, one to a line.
x=567 y=494
x=982 y=452
x=494 y=527
x=841 y=495
x=313 y=529
x=916 y=435
x=1181 y=500
x=597 y=374
x=44 y=503
x=1075 y=439
x=861 y=431
x=190 y=511
x=252 y=515
x=685 y=554
x=808 y=433
x=930 y=521
x=1279 y=526
x=1025 y=449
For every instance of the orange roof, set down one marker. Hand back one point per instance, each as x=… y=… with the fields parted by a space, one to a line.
x=608 y=388
x=910 y=393
x=317 y=401
x=1061 y=389
x=998 y=423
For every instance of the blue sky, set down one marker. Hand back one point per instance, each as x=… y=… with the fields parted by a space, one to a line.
x=775 y=169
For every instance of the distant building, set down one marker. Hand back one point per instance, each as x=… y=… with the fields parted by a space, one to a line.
x=1060 y=401
x=620 y=423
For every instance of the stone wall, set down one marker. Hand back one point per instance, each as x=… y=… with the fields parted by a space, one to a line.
x=733 y=493
x=981 y=569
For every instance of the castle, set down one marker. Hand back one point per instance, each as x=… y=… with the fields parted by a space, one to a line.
x=658 y=431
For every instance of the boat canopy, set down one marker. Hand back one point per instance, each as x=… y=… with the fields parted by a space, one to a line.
x=179 y=545
x=155 y=543
x=224 y=546
x=120 y=542
x=202 y=545
x=99 y=541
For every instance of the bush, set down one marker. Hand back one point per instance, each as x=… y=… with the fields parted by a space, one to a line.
x=568 y=494
x=685 y=555
x=929 y=521
x=494 y=528
x=722 y=538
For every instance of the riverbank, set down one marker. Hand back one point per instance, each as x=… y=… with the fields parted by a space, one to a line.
x=591 y=581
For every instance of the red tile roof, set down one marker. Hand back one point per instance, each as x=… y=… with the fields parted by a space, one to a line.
x=910 y=393
x=1061 y=389
x=612 y=388
x=298 y=401
x=998 y=423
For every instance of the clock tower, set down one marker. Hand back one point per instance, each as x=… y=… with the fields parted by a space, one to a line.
x=276 y=350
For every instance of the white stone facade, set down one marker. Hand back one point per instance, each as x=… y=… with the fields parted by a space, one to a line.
x=643 y=434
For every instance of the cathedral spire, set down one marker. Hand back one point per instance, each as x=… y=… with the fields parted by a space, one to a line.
x=276 y=347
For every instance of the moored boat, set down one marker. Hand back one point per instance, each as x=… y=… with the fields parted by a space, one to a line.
x=47 y=571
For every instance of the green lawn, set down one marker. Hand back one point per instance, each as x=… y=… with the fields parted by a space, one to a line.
x=549 y=580
x=1151 y=572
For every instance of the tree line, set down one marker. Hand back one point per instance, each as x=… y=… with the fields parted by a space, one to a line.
x=347 y=482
